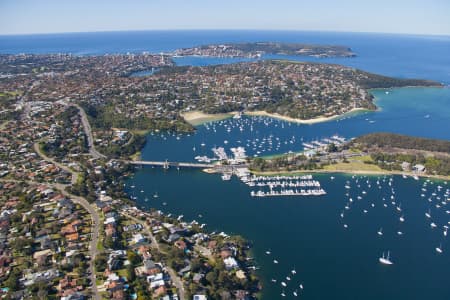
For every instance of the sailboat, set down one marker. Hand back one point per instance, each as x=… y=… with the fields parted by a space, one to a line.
x=385 y=260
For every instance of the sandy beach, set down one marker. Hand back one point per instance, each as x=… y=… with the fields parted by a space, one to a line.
x=308 y=121
x=197 y=117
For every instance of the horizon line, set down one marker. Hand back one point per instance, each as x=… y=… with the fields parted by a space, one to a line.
x=225 y=29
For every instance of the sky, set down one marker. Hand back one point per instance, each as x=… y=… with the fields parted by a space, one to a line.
x=387 y=16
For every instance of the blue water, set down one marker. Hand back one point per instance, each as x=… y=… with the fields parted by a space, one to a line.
x=388 y=54
x=414 y=111
x=306 y=233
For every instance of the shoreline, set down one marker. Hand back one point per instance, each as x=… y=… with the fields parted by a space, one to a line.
x=305 y=121
x=198 y=117
x=355 y=172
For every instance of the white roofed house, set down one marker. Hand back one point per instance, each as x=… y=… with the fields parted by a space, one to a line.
x=418 y=168
x=230 y=262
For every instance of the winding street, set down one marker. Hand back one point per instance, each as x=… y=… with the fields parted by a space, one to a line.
x=95 y=226
x=94 y=234
x=154 y=243
x=59 y=165
x=88 y=131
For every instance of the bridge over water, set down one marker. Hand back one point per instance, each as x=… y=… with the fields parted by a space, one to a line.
x=166 y=164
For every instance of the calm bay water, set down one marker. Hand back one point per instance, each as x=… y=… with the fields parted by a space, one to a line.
x=306 y=233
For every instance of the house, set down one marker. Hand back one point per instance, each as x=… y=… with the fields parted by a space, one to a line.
x=419 y=168
x=149 y=268
x=405 y=166
x=138 y=238
x=240 y=274
x=198 y=277
x=41 y=257
x=230 y=263
x=160 y=291
x=180 y=244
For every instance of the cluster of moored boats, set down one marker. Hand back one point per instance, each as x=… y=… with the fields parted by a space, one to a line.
x=258 y=144
x=288 y=192
x=436 y=195
x=288 y=186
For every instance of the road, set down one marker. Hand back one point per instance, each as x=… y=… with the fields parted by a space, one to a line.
x=154 y=243
x=88 y=207
x=94 y=235
x=88 y=131
x=59 y=165
x=95 y=218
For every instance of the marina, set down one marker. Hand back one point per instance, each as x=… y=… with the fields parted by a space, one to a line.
x=351 y=212
x=302 y=234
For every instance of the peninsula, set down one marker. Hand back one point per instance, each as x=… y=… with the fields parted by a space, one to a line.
x=259 y=49
x=122 y=108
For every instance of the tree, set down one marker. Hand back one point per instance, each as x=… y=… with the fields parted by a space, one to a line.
x=100 y=262
x=133 y=258
x=332 y=148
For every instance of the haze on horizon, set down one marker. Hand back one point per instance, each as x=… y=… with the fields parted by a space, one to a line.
x=386 y=16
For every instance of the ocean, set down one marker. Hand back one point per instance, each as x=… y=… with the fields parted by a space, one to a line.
x=306 y=233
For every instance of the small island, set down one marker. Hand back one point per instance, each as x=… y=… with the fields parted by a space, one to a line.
x=259 y=49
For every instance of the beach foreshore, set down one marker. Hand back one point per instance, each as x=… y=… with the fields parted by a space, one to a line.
x=303 y=121
x=197 y=117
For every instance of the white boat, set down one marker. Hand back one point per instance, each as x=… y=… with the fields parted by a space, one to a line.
x=301 y=286
x=275 y=261
x=380 y=232
x=428 y=214
x=226 y=177
x=283 y=284
x=268 y=252
x=433 y=225
x=385 y=260
x=402 y=219
x=295 y=293
x=283 y=294
x=155 y=195
x=439 y=249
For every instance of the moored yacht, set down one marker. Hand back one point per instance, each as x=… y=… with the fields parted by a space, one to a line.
x=385 y=260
